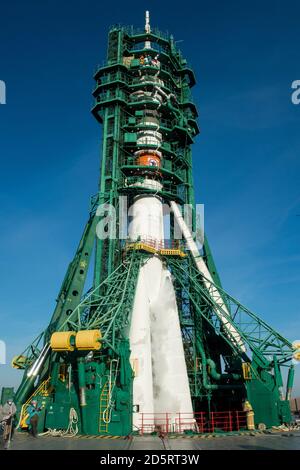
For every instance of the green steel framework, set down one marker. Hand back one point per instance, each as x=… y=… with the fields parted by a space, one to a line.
x=221 y=376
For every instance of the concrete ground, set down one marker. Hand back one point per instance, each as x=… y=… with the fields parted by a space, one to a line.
x=276 y=441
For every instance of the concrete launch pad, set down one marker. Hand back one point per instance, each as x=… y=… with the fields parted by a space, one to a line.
x=276 y=441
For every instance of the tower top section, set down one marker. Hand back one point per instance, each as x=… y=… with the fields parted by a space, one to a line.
x=127 y=43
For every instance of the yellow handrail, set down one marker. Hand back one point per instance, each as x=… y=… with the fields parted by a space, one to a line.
x=41 y=390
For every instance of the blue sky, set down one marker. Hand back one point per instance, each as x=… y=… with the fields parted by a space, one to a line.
x=246 y=160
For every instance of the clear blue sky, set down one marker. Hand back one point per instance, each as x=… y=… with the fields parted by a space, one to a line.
x=246 y=160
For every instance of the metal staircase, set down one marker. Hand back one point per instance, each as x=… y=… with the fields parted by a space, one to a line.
x=43 y=391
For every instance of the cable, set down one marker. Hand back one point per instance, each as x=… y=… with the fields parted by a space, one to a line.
x=73 y=423
x=71 y=431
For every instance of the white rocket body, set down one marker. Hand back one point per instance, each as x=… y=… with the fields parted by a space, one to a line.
x=161 y=382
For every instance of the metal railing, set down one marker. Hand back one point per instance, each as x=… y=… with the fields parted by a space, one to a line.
x=133 y=31
x=166 y=244
x=200 y=422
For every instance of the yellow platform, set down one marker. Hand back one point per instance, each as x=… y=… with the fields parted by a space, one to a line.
x=172 y=252
x=161 y=251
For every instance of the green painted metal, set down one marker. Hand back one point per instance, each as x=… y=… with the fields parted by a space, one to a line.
x=291 y=376
x=268 y=346
x=6 y=393
x=209 y=260
x=68 y=298
x=73 y=285
x=108 y=306
x=266 y=349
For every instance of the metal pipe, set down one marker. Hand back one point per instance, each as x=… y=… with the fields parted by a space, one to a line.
x=278 y=378
x=29 y=378
x=205 y=381
x=290 y=382
x=34 y=370
x=36 y=362
x=216 y=375
x=82 y=396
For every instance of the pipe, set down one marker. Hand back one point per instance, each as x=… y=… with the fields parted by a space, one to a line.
x=24 y=390
x=216 y=375
x=278 y=378
x=33 y=371
x=82 y=396
x=290 y=382
x=206 y=383
x=29 y=377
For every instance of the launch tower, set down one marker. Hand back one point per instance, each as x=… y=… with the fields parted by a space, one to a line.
x=156 y=342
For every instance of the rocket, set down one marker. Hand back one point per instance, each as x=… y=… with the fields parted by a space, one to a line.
x=161 y=382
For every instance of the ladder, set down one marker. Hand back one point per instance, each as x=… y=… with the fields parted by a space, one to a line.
x=104 y=412
x=106 y=397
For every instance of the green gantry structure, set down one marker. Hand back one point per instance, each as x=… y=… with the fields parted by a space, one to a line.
x=138 y=89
